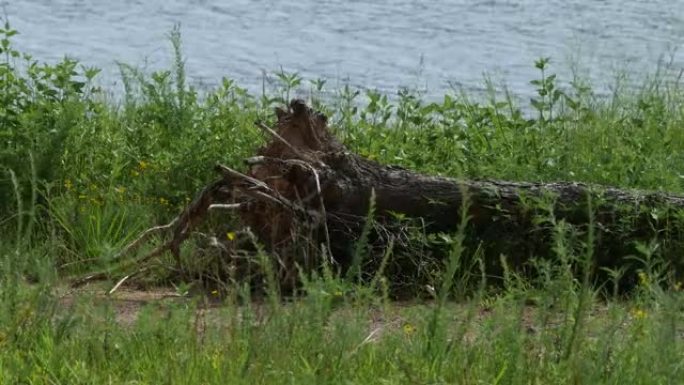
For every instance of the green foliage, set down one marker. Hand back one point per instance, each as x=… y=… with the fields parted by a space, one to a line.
x=81 y=175
x=556 y=332
x=102 y=169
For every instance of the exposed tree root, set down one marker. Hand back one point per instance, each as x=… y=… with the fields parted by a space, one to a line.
x=304 y=190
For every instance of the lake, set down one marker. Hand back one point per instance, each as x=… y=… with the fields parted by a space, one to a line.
x=385 y=44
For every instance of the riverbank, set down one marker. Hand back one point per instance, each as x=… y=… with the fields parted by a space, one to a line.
x=82 y=176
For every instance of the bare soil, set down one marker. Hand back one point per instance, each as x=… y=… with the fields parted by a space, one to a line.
x=127 y=304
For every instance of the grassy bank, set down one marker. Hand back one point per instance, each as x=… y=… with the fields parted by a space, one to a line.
x=81 y=173
x=568 y=337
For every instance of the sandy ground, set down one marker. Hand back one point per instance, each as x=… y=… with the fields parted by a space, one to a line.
x=128 y=303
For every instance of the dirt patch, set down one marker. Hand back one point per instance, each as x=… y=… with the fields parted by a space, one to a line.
x=127 y=303
x=465 y=321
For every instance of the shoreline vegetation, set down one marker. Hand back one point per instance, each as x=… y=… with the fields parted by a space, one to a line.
x=81 y=177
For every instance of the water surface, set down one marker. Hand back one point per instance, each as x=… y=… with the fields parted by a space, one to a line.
x=382 y=44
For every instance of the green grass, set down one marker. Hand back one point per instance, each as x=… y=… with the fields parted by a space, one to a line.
x=559 y=333
x=81 y=173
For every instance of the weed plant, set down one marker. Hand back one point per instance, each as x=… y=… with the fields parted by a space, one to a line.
x=81 y=173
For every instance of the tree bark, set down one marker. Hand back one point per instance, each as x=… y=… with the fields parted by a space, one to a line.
x=307 y=199
x=306 y=165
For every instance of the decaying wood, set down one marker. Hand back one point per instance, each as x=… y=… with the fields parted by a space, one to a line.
x=504 y=216
x=305 y=187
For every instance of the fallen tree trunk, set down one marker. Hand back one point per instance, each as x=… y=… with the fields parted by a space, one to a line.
x=304 y=190
x=516 y=219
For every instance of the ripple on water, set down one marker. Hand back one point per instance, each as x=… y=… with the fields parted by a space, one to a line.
x=381 y=44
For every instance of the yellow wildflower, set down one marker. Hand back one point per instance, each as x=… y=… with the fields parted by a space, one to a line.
x=68 y=184
x=230 y=235
x=643 y=278
x=214 y=292
x=338 y=293
x=163 y=201
x=142 y=165
x=639 y=313
x=409 y=329
x=215 y=360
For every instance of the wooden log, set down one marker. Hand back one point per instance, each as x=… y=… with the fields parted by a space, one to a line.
x=304 y=189
x=305 y=163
